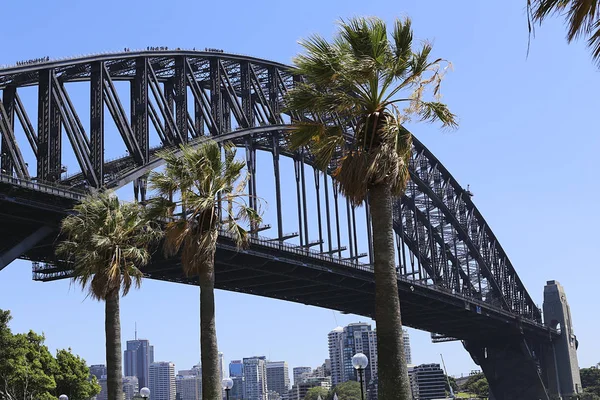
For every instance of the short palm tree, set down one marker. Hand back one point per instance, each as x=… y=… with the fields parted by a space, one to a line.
x=201 y=192
x=582 y=16
x=106 y=242
x=360 y=79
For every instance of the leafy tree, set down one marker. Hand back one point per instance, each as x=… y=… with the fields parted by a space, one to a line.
x=315 y=392
x=589 y=377
x=589 y=396
x=349 y=390
x=72 y=377
x=106 y=242
x=204 y=181
x=582 y=18
x=477 y=384
x=360 y=78
x=28 y=371
x=452 y=384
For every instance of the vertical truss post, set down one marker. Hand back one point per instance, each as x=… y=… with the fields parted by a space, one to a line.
x=369 y=230
x=246 y=85
x=350 y=241
x=8 y=98
x=139 y=107
x=169 y=88
x=297 y=167
x=226 y=114
x=251 y=165
x=304 y=210
x=318 y=190
x=198 y=118
x=327 y=213
x=181 y=111
x=277 y=184
x=274 y=93
x=216 y=101
x=97 y=120
x=48 y=167
x=337 y=219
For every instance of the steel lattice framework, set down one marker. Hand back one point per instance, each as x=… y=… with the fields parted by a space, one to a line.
x=443 y=241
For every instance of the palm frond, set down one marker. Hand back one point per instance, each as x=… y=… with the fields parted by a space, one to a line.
x=582 y=18
x=103 y=239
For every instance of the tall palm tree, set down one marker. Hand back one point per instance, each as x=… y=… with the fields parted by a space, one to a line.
x=201 y=192
x=582 y=17
x=106 y=242
x=360 y=79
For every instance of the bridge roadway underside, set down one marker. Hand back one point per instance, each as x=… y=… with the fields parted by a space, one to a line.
x=270 y=270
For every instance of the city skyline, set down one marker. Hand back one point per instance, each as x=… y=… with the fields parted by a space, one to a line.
x=490 y=168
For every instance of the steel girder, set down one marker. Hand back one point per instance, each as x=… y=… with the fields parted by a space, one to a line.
x=449 y=244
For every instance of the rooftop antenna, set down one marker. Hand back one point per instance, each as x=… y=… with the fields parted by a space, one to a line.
x=452 y=396
x=136 y=331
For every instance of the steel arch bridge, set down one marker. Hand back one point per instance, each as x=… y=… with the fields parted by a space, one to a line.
x=455 y=279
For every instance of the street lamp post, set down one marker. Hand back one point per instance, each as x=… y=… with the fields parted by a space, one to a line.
x=360 y=362
x=227 y=385
x=145 y=393
x=63 y=397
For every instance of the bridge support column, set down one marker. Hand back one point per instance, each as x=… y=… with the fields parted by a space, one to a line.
x=511 y=366
x=562 y=365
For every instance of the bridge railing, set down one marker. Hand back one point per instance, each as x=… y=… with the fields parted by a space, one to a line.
x=44 y=187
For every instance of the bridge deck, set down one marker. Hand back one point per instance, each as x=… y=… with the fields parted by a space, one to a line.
x=277 y=270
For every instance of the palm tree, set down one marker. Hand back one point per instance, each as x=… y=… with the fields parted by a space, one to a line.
x=582 y=17
x=201 y=192
x=357 y=80
x=106 y=242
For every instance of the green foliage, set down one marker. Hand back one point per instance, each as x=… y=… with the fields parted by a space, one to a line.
x=581 y=16
x=315 y=392
x=590 y=377
x=589 y=396
x=364 y=75
x=198 y=186
x=107 y=242
x=72 y=377
x=28 y=370
x=477 y=384
x=349 y=390
x=452 y=384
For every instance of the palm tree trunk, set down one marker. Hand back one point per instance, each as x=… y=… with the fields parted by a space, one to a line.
x=392 y=371
x=209 y=351
x=112 y=327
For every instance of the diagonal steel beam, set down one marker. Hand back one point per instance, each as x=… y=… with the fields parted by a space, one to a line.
x=24 y=245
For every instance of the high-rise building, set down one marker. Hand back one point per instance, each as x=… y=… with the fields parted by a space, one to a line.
x=98 y=370
x=335 y=342
x=221 y=368
x=358 y=338
x=103 y=395
x=299 y=390
x=427 y=382
x=195 y=371
x=407 y=352
x=137 y=359
x=162 y=381
x=130 y=387
x=278 y=377
x=323 y=370
x=345 y=342
x=188 y=387
x=301 y=373
x=255 y=378
x=236 y=373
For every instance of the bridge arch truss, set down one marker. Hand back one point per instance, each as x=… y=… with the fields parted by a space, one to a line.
x=179 y=96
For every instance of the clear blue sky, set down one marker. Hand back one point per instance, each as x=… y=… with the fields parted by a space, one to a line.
x=527 y=145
